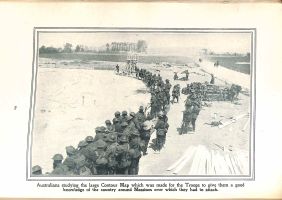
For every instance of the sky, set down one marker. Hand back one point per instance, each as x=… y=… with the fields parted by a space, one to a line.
x=163 y=42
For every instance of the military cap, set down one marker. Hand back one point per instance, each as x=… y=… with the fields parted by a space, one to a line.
x=117 y=113
x=100 y=129
x=107 y=122
x=115 y=120
x=84 y=143
x=103 y=128
x=89 y=139
x=124 y=124
x=124 y=112
x=58 y=157
x=132 y=114
x=123 y=138
x=70 y=150
x=111 y=138
x=36 y=168
x=100 y=144
x=141 y=108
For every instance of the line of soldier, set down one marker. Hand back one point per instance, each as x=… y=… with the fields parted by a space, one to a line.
x=159 y=89
x=116 y=148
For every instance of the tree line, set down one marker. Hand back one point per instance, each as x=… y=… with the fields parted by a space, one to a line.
x=140 y=46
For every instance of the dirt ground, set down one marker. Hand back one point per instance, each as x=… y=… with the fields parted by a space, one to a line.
x=70 y=103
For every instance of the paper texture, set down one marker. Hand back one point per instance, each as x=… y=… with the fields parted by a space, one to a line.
x=50 y=101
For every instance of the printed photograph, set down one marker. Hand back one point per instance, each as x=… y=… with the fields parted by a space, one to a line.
x=142 y=102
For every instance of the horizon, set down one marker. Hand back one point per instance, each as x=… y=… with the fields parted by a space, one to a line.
x=164 y=43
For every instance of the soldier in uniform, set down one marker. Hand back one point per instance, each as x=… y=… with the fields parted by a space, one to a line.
x=58 y=167
x=122 y=156
x=167 y=89
x=100 y=161
x=161 y=128
x=109 y=126
x=57 y=160
x=195 y=112
x=145 y=136
x=175 y=93
x=212 y=79
x=175 y=77
x=135 y=147
x=186 y=75
x=117 y=125
x=187 y=117
x=117 y=116
x=70 y=160
x=123 y=127
x=140 y=117
x=124 y=116
x=131 y=124
x=36 y=170
x=83 y=149
x=117 y=68
x=100 y=132
x=111 y=153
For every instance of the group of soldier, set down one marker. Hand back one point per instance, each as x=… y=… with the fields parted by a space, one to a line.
x=159 y=103
x=160 y=91
x=118 y=146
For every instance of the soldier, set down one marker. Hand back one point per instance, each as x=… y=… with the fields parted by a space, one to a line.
x=175 y=77
x=122 y=156
x=195 y=113
x=58 y=167
x=80 y=165
x=140 y=117
x=145 y=136
x=84 y=150
x=70 y=160
x=124 y=116
x=100 y=132
x=117 y=125
x=154 y=106
x=123 y=126
x=57 y=160
x=131 y=123
x=117 y=68
x=175 y=93
x=186 y=75
x=36 y=170
x=212 y=79
x=109 y=126
x=117 y=116
x=187 y=117
x=135 y=146
x=111 y=153
x=161 y=128
x=100 y=161
x=167 y=89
